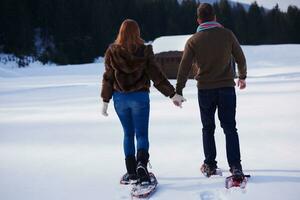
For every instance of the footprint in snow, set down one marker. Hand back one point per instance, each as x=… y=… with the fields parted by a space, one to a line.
x=210 y=195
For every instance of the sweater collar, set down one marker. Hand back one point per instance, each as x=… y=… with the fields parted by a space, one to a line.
x=208 y=25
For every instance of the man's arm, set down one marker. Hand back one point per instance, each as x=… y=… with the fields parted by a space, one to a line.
x=239 y=57
x=184 y=67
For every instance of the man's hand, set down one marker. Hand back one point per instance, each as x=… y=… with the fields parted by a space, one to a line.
x=104 y=109
x=241 y=83
x=178 y=99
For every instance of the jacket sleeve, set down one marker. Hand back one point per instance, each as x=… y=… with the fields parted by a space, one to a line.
x=108 y=79
x=239 y=57
x=159 y=79
x=184 y=67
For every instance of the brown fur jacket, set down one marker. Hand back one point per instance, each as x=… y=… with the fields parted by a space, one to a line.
x=127 y=72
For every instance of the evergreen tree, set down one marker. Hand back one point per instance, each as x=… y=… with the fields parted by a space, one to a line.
x=187 y=18
x=256 y=25
x=240 y=25
x=2 y=29
x=277 y=26
x=77 y=31
x=17 y=32
x=293 y=20
x=225 y=14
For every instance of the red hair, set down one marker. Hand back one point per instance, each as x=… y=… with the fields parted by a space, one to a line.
x=129 y=35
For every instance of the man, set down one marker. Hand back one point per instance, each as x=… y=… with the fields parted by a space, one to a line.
x=211 y=49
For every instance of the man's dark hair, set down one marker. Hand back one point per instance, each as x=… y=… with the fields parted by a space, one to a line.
x=205 y=12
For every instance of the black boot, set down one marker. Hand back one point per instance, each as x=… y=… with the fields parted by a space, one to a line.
x=237 y=172
x=141 y=170
x=130 y=177
x=209 y=170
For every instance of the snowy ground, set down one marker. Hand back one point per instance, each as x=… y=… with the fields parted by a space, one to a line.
x=55 y=145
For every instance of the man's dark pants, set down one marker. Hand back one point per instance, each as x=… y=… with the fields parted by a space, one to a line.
x=223 y=99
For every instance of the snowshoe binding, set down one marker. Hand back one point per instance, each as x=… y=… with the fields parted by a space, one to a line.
x=237 y=179
x=143 y=190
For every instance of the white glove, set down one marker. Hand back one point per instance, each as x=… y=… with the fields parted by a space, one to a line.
x=104 y=109
x=178 y=99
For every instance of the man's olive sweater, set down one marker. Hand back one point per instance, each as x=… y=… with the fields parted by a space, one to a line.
x=211 y=51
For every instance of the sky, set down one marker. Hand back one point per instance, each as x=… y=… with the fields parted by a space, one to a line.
x=283 y=4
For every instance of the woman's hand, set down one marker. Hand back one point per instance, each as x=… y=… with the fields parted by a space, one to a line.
x=104 y=109
x=178 y=99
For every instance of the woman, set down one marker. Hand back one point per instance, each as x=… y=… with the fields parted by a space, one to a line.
x=129 y=67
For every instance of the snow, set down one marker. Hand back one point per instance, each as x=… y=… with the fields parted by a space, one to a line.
x=170 y=43
x=55 y=145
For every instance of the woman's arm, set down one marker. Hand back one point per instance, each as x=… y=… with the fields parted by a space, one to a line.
x=159 y=79
x=108 y=79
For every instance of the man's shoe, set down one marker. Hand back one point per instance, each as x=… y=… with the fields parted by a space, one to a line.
x=210 y=170
x=237 y=172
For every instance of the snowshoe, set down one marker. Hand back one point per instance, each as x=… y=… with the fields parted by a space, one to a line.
x=128 y=179
x=145 y=189
x=236 y=181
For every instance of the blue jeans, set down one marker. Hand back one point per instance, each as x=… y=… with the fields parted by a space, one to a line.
x=133 y=111
x=223 y=99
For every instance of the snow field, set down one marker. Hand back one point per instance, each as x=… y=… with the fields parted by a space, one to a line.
x=55 y=145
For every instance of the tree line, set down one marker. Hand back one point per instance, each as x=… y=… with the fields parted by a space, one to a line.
x=78 y=31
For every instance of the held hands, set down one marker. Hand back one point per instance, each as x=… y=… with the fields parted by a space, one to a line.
x=178 y=99
x=104 y=109
x=241 y=83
